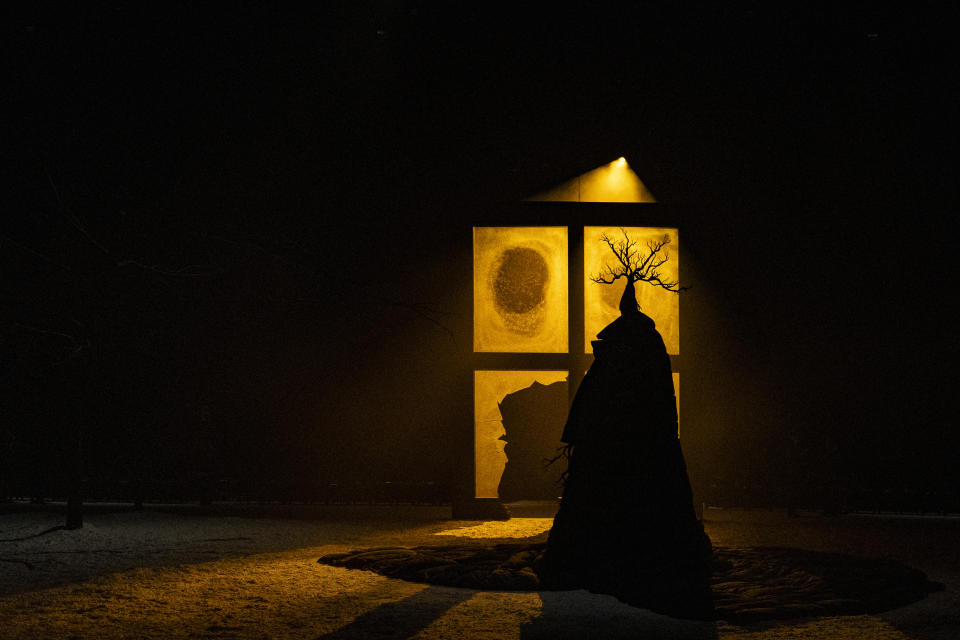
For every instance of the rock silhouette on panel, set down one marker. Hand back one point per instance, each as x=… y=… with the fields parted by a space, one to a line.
x=533 y=420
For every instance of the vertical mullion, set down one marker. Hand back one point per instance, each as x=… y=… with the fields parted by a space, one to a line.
x=575 y=310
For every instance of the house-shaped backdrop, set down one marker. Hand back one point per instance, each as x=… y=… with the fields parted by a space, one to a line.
x=535 y=313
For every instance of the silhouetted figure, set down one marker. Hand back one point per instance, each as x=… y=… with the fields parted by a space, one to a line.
x=626 y=524
x=533 y=420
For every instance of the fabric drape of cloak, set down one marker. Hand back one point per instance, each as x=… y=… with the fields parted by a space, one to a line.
x=626 y=523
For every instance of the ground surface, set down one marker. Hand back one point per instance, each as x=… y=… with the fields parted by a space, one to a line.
x=171 y=575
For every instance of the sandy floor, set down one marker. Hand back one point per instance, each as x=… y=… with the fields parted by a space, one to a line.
x=166 y=575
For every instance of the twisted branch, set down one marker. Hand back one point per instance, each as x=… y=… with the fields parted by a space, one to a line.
x=634 y=267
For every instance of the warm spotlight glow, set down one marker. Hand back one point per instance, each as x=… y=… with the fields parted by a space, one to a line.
x=520 y=289
x=512 y=528
x=613 y=182
x=489 y=389
x=601 y=301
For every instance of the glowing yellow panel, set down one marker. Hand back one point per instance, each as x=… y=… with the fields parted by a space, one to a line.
x=489 y=389
x=676 y=391
x=601 y=301
x=612 y=182
x=520 y=289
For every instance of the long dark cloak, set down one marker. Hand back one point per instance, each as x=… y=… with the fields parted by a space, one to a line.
x=626 y=523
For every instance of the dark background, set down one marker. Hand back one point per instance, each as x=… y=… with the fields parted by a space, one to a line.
x=235 y=245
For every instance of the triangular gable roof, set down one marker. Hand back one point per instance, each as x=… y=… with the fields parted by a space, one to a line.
x=612 y=182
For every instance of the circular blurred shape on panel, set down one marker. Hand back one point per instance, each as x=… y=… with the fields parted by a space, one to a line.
x=519 y=282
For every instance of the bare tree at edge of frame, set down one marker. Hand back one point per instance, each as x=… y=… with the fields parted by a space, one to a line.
x=636 y=263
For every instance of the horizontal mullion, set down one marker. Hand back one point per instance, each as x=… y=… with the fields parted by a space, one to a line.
x=535 y=361
x=521 y=361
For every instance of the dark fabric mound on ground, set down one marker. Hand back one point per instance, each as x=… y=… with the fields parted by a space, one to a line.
x=749 y=584
x=500 y=567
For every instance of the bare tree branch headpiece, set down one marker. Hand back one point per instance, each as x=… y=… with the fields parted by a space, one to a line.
x=636 y=264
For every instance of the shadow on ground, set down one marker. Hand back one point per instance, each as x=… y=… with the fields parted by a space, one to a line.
x=405 y=618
